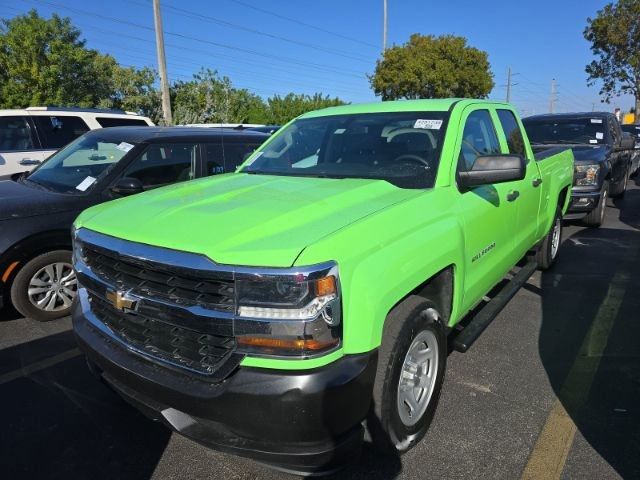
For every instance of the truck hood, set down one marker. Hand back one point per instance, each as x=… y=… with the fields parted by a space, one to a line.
x=19 y=200
x=589 y=154
x=242 y=219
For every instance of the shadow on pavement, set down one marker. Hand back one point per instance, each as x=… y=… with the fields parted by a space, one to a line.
x=60 y=422
x=589 y=336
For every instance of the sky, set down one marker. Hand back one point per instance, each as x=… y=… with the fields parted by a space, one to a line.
x=329 y=46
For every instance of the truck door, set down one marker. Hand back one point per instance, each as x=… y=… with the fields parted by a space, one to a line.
x=528 y=190
x=489 y=218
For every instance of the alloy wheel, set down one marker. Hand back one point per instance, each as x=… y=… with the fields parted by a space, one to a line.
x=53 y=287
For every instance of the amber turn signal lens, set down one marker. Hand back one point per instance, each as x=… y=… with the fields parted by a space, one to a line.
x=326 y=286
x=279 y=343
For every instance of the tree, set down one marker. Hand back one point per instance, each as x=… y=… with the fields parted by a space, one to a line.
x=209 y=98
x=615 y=41
x=133 y=89
x=432 y=67
x=282 y=109
x=45 y=62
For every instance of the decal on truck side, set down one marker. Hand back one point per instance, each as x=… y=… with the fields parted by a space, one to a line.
x=483 y=252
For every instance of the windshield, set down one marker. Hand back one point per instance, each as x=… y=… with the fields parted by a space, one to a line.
x=76 y=167
x=632 y=129
x=589 y=131
x=402 y=148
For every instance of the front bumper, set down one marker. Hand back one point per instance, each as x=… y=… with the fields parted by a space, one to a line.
x=306 y=421
x=582 y=202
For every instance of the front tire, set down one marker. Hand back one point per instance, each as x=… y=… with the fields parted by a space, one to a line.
x=595 y=218
x=45 y=286
x=411 y=366
x=548 y=251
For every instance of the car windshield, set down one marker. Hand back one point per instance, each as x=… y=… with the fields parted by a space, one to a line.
x=402 y=148
x=589 y=131
x=78 y=166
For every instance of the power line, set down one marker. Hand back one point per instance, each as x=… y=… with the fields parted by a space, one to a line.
x=208 y=18
x=188 y=37
x=308 y=25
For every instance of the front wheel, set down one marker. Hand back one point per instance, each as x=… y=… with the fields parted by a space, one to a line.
x=409 y=378
x=548 y=250
x=45 y=286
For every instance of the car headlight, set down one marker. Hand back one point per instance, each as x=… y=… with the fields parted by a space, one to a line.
x=289 y=313
x=586 y=175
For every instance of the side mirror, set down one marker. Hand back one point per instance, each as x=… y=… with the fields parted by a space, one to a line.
x=493 y=169
x=127 y=186
x=627 y=142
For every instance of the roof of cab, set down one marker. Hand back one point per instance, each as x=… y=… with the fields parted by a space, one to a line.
x=427 y=105
x=546 y=116
x=174 y=134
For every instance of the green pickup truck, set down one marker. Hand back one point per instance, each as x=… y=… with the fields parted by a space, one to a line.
x=282 y=311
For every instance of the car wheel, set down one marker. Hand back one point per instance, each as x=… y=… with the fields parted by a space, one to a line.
x=411 y=366
x=595 y=218
x=45 y=286
x=547 y=252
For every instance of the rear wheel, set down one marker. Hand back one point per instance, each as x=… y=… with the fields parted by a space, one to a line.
x=45 y=286
x=595 y=217
x=548 y=251
x=409 y=378
x=620 y=191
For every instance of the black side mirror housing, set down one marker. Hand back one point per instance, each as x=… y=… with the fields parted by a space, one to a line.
x=493 y=169
x=127 y=186
x=627 y=142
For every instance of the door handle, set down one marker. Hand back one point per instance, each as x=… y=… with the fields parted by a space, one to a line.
x=29 y=161
x=512 y=195
x=537 y=181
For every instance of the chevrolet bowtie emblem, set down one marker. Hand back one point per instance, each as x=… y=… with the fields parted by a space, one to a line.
x=121 y=300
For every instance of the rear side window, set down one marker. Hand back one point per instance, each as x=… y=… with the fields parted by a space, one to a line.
x=512 y=131
x=478 y=139
x=56 y=132
x=227 y=158
x=121 y=122
x=15 y=135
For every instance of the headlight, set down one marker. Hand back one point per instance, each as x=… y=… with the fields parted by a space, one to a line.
x=289 y=313
x=586 y=175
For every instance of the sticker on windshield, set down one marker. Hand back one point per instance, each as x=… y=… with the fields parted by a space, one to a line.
x=86 y=183
x=340 y=130
x=428 y=124
x=124 y=146
x=596 y=120
x=599 y=135
x=593 y=141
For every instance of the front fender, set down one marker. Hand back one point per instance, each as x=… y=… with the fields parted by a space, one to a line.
x=386 y=256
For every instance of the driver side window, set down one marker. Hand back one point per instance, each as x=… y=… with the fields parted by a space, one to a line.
x=478 y=138
x=162 y=164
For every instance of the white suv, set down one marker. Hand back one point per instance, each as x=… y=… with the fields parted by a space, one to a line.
x=29 y=136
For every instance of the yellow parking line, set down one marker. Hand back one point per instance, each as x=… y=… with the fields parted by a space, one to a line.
x=550 y=452
x=37 y=366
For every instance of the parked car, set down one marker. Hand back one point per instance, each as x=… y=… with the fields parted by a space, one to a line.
x=271 y=311
x=29 y=136
x=602 y=154
x=37 y=209
x=634 y=131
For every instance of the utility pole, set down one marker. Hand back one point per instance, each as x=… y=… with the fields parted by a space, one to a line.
x=384 y=25
x=552 y=97
x=510 y=83
x=162 y=64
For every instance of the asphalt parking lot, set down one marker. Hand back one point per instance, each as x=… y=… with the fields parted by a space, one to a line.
x=551 y=389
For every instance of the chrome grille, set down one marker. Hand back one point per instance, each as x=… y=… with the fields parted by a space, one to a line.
x=157 y=281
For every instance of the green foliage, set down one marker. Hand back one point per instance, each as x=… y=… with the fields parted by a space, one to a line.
x=209 y=98
x=282 y=109
x=45 y=62
x=133 y=90
x=614 y=35
x=432 y=67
